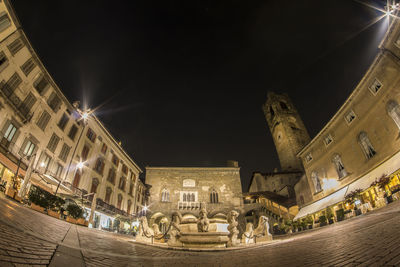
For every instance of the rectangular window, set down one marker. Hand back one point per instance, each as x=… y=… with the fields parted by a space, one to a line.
x=104 y=149
x=85 y=152
x=91 y=135
x=375 y=86
x=59 y=170
x=5 y=21
x=10 y=132
x=115 y=160
x=28 y=66
x=64 y=152
x=27 y=104
x=12 y=84
x=52 y=145
x=349 y=117
x=43 y=120
x=45 y=162
x=15 y=46
x=54 y=102
x=99 y=166
x=41 y=84
x=124 y=169
x=111 y=175
x=63 y=121
x=130 y=188
x=29 y=148
x=3 y=60
x=328 y=139
x=72 y=132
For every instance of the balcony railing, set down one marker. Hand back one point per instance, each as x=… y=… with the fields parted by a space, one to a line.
x=189 y=205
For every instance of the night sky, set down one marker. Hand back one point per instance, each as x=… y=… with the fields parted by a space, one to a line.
x=181 y=83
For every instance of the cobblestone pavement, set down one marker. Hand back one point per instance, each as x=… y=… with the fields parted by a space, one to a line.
x=29 y=237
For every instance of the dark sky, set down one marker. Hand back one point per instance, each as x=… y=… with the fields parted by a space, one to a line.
x=183 y=82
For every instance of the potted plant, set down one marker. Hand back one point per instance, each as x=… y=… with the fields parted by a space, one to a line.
x=330 y=216
x=54 y=206
x=309 y=221
x=37 y=199
x=322 y=220
x=74 y=212
x=340 y=215
x=303 y=224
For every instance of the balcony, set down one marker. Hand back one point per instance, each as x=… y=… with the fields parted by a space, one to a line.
x=15 y=102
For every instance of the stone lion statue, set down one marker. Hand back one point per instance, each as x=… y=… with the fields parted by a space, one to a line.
x=175 y=230
x=232 y=228
x=261 y=233
x=203 y=222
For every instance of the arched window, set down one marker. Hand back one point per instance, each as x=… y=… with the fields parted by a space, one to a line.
x=214 y=197
x=393 y=109
x=77 y=179
x=283 y=105
x=337 y=161
x=119 y=201
x=184 y=197
x=366 y=145
x=316 y=181
x=301 y=200
x=108 y=195
x=95 y=183
x=128 y=210
x=271 y=110
x=193 y=198
x=165 y=195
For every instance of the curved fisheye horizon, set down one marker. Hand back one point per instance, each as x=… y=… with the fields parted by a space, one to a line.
x=195 y=134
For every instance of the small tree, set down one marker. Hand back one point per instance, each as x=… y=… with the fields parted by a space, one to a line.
x=353 y=196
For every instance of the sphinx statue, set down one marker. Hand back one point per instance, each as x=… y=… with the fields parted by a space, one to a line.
x=261 y=233
x=232 y=228
x=203 y=222
x=248 y=235
x=145 y=232
x=175 y=230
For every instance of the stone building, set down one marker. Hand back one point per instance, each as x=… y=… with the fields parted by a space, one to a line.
x=39 y=126
x=186 y=189
x=277 y=188
x=361 y=142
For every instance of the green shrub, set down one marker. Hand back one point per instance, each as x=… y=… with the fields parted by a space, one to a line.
x=322 y=220
x=75 y=211
x=329 y=213
x=44 y=199
x=309 y=219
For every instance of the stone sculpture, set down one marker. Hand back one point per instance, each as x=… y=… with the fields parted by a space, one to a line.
x=175 y=230
x=156 y=230
x=203 y=222
x=248 y=235
x=232 y=228
x=261 y=233
x=145 y=232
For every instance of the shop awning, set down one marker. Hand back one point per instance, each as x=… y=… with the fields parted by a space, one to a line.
x=49 y=183
x=11 y=165
x=321 y=204
x=388 y=167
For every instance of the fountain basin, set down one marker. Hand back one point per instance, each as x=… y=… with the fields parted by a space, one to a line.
x=204 y=239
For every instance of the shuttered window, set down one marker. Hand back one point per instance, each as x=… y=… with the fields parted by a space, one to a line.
x=5 y=21
x=12 y=84
x=43 y=120
x=52 y=145
x=63 y=121
x=54 y=102
x=27 y=104
x=3 y=59
x=41 y=84
x=72 y=132
x=64 y=152
x=15 y=46
x=28 y=66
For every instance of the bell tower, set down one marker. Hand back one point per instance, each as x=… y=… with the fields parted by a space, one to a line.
x=287 y=129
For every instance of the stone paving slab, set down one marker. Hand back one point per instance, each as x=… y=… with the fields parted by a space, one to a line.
x=31 y=238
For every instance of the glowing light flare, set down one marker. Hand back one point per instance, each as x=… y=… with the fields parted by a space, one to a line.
x=42 y=164
x=145 y=208
x=80 y=165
